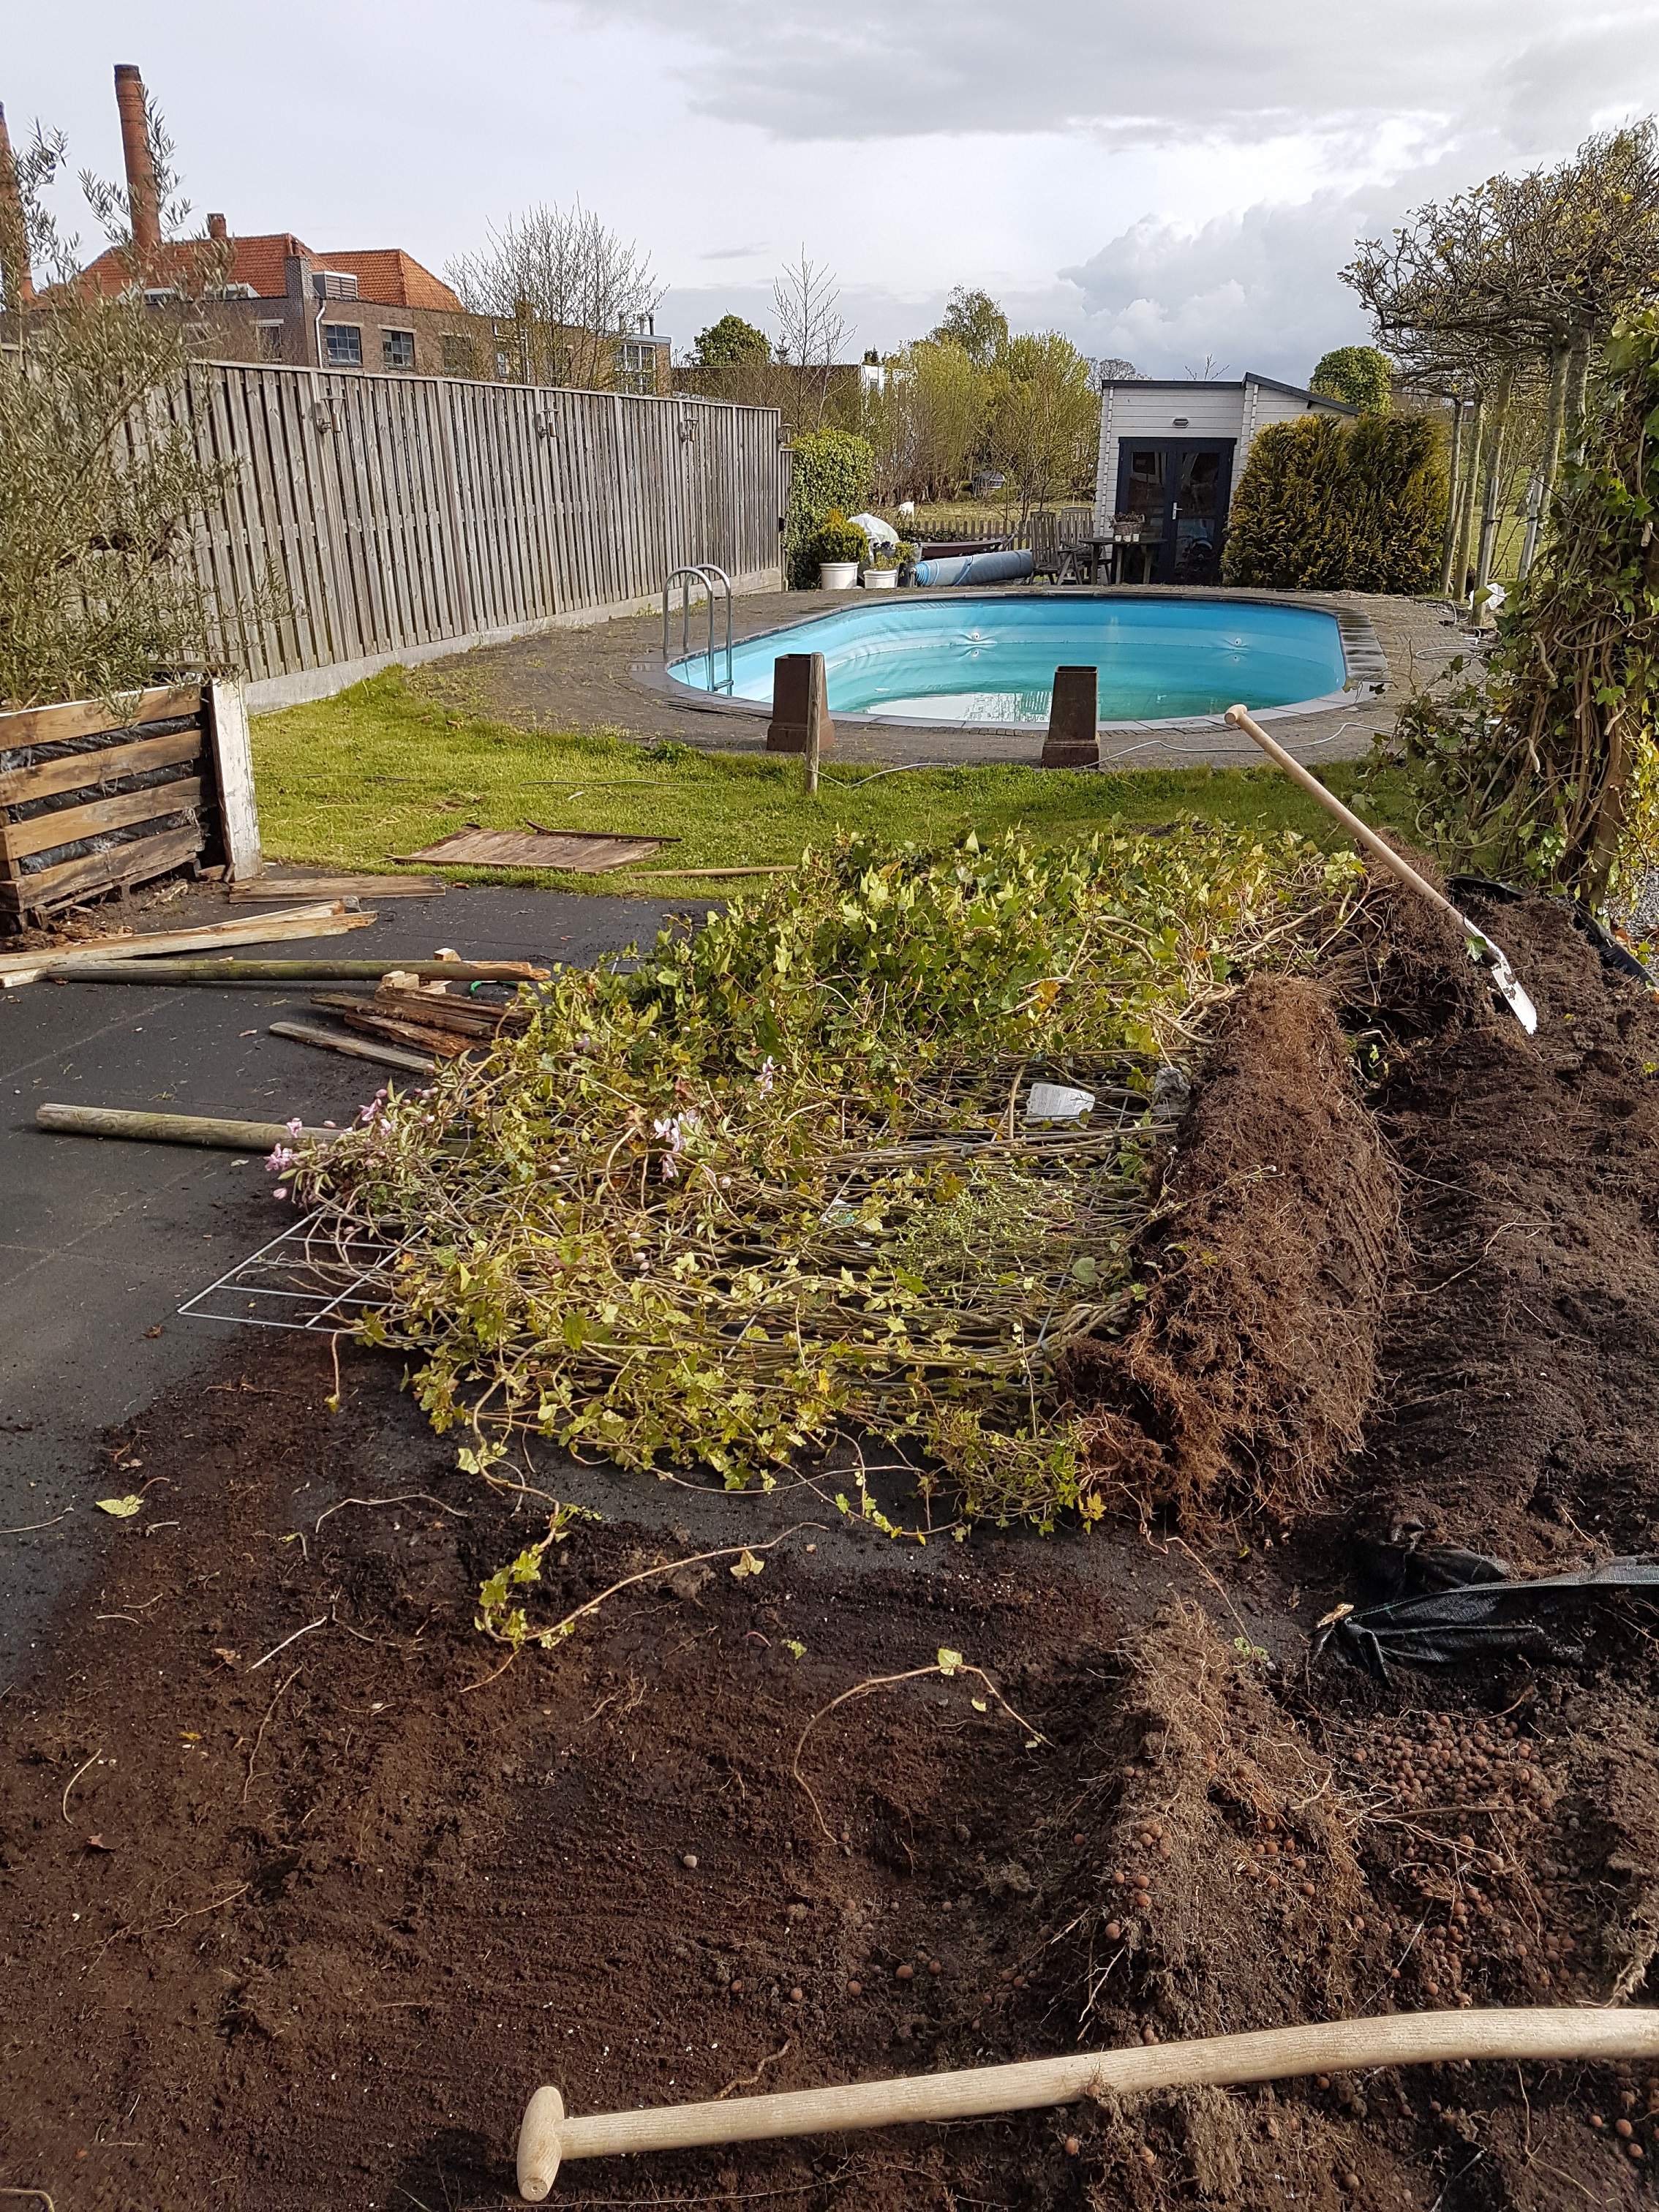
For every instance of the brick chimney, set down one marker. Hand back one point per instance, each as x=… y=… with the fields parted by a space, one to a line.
x=136 y=151
x=11 y=214
x=216 y=226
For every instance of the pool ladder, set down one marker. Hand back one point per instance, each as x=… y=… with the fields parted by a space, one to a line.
x=710 y=576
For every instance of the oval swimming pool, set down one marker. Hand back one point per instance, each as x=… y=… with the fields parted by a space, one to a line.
x=991 y=659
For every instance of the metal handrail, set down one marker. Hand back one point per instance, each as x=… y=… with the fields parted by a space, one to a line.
x=709 y=575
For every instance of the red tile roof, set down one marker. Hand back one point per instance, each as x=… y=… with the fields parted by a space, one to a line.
x=387 y=276
x=391 y=278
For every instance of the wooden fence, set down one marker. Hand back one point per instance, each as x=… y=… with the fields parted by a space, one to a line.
x=403 y=517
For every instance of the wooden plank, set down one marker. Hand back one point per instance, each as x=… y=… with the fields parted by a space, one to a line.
x=316 y=921
x=294 y=528
x=90 y=718
x=447 y=1044
x=356 y=1047
x=438 y=1010
x=133 y=863
x=588 y=853
x=86 y=771
x=232 y=773
x=42 y=832
x=339 y=887
x=325 y=489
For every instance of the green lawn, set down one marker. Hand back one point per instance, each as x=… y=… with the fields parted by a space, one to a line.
x=349 y=782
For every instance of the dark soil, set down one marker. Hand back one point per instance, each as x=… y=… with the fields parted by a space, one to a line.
x=306 y=1932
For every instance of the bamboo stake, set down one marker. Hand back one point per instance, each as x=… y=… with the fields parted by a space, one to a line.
x=1480 y=944
x=1549 y=458
x=239 y=972
x=1454 y=495
x=547 y=2137
x=1493 y=481
x=174 y=1128
x=1471 y=486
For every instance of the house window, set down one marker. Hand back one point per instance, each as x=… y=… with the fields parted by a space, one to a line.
x=270 y=341
x=398 y=348
x=345 y=344
x=459 y=360
x=636 y=368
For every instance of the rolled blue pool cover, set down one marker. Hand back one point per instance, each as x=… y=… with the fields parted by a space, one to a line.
x=976 y=568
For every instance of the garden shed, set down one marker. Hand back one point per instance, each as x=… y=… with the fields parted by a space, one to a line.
x=1170 y=452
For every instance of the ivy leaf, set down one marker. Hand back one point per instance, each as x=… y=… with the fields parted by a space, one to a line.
x=949 y=1661
x=122 y=1509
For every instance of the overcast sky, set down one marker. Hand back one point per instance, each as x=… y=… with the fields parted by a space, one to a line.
x=1163 y=183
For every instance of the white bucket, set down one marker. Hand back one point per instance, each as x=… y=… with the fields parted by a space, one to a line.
x=837 y=575
x=880 y=580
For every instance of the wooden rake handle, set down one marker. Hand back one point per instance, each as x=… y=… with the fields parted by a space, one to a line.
x=1242 y=719
x=547 y=2136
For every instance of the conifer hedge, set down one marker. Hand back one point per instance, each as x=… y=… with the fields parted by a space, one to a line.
x=1330 y=506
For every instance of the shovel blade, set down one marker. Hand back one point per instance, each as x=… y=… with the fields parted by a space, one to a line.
x=1493 y=959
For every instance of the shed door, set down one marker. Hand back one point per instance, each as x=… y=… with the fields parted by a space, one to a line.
x=1178 y=490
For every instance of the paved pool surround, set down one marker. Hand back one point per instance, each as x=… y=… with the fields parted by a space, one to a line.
x=610 y=678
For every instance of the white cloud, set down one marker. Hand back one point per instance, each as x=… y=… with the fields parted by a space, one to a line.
x=1257 y=289
x=1200 y=174
x=1123 y=72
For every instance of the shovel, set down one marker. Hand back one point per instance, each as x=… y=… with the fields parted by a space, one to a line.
x=1481 y=947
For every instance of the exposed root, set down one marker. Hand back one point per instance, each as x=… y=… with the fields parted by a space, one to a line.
x=1255 y=1354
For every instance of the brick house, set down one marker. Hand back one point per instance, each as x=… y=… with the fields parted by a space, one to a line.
x=276 y=299
x=270 y=298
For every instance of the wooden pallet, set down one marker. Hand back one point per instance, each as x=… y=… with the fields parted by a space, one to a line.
x=93 y=801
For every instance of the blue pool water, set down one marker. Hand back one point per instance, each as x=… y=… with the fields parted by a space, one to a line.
x=993 y=658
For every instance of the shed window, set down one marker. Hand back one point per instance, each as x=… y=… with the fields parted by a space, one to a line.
x=345 y=344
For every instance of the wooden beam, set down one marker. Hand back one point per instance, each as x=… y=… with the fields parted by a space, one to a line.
x=87 y=717
x=333 y=887
x=262 y=929
x=173 y=1128
x=42 y=832
x=233 y=771
x=77 y=771
x=96 y=873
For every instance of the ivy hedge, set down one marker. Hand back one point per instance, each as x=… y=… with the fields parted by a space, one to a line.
x=1331 y=505
x=831 y=473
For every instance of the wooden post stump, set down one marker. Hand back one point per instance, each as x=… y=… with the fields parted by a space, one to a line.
x=798 y=685
x=1072 y=740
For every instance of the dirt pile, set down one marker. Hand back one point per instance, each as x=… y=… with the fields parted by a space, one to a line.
x=1250 y=1368
x=1219 y=1801
x=1520 y=1374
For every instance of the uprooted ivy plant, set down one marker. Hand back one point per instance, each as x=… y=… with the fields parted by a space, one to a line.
x=774 y=1185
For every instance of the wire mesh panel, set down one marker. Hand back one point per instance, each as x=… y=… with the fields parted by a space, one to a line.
x=318 y=1274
